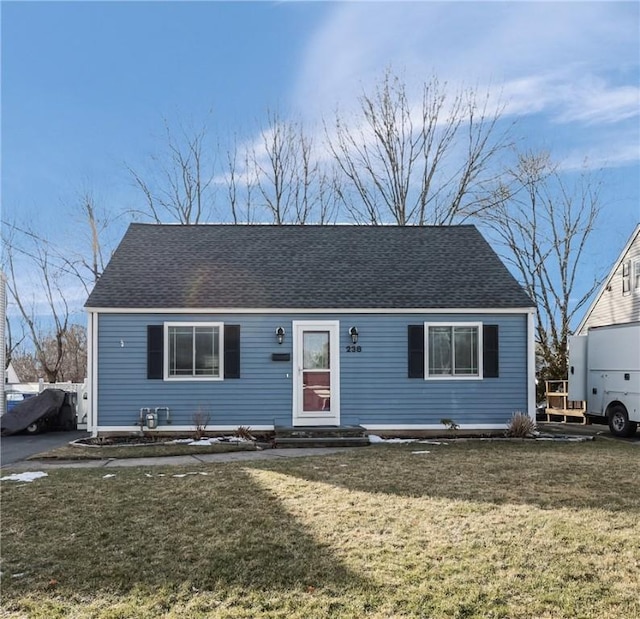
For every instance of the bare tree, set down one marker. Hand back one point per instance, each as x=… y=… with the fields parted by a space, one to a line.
x=422 y=163
x=277 y=168
x=294 y=185
x=25 y=365
x=180 y=188
x=39 y=268
x=12 y=342
x=28 y=363
x=41 y=299
x=88 y=263
x=97 y=225
x=74 y=362
x=545 y=222
x=241 y=185
x=48 y=285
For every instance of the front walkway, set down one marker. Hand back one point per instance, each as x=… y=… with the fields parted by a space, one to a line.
x=191 y=460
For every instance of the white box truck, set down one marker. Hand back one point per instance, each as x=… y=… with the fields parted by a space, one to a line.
x=604 y=371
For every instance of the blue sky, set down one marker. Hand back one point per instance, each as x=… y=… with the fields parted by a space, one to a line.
x=85 y=85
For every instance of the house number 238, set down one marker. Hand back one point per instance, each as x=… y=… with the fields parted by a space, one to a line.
x=354 y=348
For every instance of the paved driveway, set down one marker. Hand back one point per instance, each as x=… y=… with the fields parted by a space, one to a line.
x=597 y=430
x=20 y=446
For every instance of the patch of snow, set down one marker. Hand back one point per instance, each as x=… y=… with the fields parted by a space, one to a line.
x=420 y=452
x=108 y=475
x=24 y=476
x=432 y=443
x=374 y=438
x=19 y=575
x=212 y=441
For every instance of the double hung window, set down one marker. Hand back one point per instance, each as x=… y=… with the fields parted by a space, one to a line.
x=453 y=350
x=193 y=350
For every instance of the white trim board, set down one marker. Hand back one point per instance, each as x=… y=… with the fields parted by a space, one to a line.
x=318 y=310
x=531 y=367
x=176 y=428
x=298 y=416
x=480 y=347
x=432 y=426
x=266 y=428
x=92 y=374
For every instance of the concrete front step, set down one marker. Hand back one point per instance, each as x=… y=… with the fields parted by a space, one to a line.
x=320 y=436
x=322 y=441
x=320 y=432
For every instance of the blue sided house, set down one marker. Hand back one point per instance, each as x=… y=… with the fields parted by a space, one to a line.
x=391 y=328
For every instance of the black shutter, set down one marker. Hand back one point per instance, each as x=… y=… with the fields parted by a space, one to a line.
x=490 y=354
x=232 y=351
x=416 y=351
x=155 y=351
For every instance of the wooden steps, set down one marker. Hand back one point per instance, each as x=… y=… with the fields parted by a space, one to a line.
x=321 y=436
x=559 y=407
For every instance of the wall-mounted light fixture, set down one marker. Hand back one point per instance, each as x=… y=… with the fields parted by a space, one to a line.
x=353 y=332
x=280 y=334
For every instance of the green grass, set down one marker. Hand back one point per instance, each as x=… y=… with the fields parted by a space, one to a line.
x=468 y=530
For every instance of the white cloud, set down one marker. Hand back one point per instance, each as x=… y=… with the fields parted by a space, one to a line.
x=608 y=154
x=577 y=62
x=596 y=102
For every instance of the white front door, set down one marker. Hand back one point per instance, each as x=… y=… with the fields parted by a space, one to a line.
x=316 y=367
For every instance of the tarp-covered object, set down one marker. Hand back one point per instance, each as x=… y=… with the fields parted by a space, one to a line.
x=52 y=408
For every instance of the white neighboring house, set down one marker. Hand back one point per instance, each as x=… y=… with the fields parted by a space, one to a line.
x=10 y=375
x=618 y=301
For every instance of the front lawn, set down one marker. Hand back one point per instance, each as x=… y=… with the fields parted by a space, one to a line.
x=475 y=529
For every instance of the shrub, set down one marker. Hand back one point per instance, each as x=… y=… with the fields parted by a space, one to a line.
x=200 y=421
x=521 y=425
x=244 y=432
x=450 y=424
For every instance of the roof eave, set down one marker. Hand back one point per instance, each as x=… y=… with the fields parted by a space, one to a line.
x=311 y=310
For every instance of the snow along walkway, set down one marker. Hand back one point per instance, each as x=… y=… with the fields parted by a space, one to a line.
x=190 y=460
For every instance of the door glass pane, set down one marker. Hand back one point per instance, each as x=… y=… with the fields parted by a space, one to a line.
x=315 y=347
x=316 y=391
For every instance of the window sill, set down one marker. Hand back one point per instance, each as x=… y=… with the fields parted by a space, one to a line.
x=432 y=378
x=192 y=379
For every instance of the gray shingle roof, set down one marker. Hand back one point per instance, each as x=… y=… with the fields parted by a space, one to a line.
x=340 y=267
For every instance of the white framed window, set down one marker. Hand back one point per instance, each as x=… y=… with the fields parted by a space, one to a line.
x=626 y=277
x=192 y=350
x=636 y=276
x=453 y=350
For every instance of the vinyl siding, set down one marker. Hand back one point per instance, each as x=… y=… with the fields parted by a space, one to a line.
x=375 y=388
x=612 y=307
